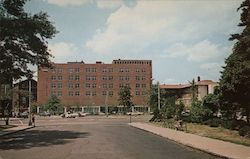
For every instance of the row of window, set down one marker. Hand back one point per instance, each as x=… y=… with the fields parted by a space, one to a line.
x=131 y=62
x=93 y=93
x=93 y=78
x=93 y=85
x=77 y=70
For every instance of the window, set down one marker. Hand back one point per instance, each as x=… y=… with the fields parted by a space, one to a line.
x=137 y=85
x=143 y=78
x=137 y=70
x=104 y=93
x=87 y=69
x=110 y=69
x=88 y=93
x=104 y=85
x=70 y=85
x=137 y=78
x=121 y=85
x=71 y=77
x=77 y=85
x=59 y=70
x=143 y=85
x=53 y=78
x=59 y=93
x=126 y=70
x=144 y=93
x=111 y=85
x=77 y=77
x=59 y=78
x=88 y=78
x=127 y=84
x=59 y=85
x=77 y=70
x=93 y=69
x=53 y=93
x=105 y=70
x=104 y=78
x=94 y=78
x=94 y=93
x=111 y=93
x=110 y=77
x=143 y=70
x=94 y=85
x=121 y=70
x=53 y=85
x=87 y=85
x=77 y=93
x=137 y=93
x=70 y=93
x=71 y=70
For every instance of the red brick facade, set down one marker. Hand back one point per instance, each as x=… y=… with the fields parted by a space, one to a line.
x=80 y=84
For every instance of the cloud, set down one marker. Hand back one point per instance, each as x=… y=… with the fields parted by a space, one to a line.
x=160 y=24
x=198 y=52
x=63 y=51
x=68 y=2
x=109 y=4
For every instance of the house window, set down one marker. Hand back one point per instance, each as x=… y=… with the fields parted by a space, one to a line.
x=143 y=70
x=104 y=93
x=59 y=70
x=87 y=69
x=137 y=93
x=110 y=77
x=143 y=78
x=77 y=70
x=143 y=85
x=88 y=78
x=53 y=93
x=93 y=69
x=137 y=78
x=137 y=70
x=104 y=85
x=94 y=93
x=111 y=85
x=71 y=70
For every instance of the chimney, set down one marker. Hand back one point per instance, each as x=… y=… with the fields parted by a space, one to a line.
x=198 y=78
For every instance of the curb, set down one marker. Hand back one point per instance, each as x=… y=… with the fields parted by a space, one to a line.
x=190 y=146
x=12 y=132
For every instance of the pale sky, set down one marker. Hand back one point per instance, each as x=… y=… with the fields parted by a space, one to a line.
x=183 y=38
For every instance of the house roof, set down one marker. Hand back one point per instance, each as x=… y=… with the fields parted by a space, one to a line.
x=181 y=86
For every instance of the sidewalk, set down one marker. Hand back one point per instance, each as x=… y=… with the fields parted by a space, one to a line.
x=213 y=146
x=14 y=129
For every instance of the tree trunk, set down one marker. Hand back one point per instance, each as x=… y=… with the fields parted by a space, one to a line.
x=7 y=121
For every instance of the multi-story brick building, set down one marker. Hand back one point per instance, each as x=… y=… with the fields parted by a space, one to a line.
x=93 y=86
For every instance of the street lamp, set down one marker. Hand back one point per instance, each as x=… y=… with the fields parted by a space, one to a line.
x=29 y=79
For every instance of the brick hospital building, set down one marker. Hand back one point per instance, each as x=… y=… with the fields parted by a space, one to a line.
x=93 y=86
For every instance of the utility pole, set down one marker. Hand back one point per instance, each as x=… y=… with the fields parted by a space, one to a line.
x=29 y=78
x=159 y=96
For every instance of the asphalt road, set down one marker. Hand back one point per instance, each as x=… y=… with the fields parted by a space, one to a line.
x=91 y=138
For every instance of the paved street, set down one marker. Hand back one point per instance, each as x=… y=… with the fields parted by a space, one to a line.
x=91 y=138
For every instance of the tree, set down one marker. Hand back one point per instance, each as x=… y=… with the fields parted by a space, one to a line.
x=125 y=97
x=54 y=105
x=235 y=78
x=23 y=40
x=211 y=101
x=153 y=100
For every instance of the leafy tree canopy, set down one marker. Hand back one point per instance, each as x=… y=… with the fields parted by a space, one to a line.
x=125 y=97
x=235 y=78
x=23 y=40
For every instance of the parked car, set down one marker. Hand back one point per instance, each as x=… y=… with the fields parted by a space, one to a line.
x=24 y=115
x=71 y=115
x=135 y=113
x=44 y=114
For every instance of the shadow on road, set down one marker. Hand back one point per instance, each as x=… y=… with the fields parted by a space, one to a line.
x=39 y=138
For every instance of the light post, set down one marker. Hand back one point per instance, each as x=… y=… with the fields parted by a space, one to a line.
x=29 y=79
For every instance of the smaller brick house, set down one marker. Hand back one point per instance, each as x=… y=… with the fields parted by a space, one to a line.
x=183 y=91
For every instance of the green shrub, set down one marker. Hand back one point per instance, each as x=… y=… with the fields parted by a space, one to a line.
x=228 y=124
x=245 y=131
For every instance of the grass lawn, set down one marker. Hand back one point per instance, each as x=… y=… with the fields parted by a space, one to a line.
x=215 y=133
x=2 y=127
